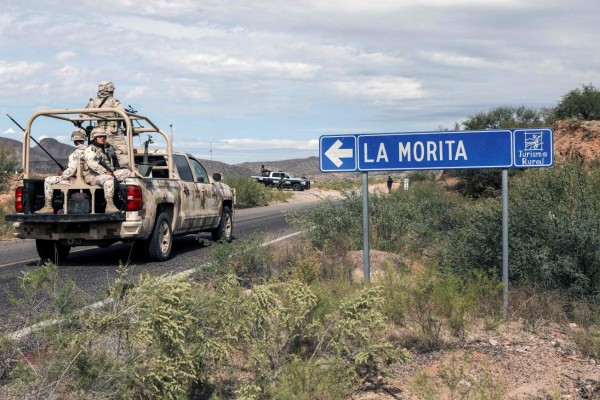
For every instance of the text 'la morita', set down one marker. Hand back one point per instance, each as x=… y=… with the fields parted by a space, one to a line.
x=431 y=150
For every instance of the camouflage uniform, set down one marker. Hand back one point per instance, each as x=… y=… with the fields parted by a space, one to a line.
x=114 y=135
x=95 y=174
x=67 y=175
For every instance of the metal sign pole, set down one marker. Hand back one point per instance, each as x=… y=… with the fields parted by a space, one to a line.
x=505 y=240
x=365 y=193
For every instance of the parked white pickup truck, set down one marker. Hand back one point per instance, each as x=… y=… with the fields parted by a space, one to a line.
x=283 y=180
x=166 y=194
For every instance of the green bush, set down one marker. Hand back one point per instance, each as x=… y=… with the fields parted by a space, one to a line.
x=249 y=193
x=245 y=258
x=478 y=183
x=8 y=166
x=582 y=104
x=555 y=228
x=554 y=231
x=406 y=220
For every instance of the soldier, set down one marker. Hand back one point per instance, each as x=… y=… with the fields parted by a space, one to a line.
x=115 y=136
x=97 y=168
x=64 y=177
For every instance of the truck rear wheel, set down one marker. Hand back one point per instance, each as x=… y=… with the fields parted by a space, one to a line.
x=158 y=246
x=52 y=250
x=225 y=229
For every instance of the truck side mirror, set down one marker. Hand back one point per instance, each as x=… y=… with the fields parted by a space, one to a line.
x=217 y=177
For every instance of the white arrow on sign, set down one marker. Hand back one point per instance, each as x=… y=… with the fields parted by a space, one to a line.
x=335 y=152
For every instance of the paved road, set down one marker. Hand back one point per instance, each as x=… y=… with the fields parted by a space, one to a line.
x=92 y=268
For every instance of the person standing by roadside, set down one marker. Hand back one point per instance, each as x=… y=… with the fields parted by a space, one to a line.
x=390 y=182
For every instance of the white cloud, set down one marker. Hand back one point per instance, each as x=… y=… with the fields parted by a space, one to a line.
x=455 y=60
x=65 y=55
x=238 y=144
x=9 y=131
x=382 y=89
x=223 y=63
x=14 y=71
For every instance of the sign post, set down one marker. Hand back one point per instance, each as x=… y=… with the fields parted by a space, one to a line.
x=365 y=211
x=502 y=149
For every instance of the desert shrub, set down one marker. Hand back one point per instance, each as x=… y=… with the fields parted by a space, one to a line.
x=6 y=228
x=555 y=228
x=458 y=377
x=536 y=307
x=342 y=186
x=431 y=303
x=588 y=341
x=477 y=243
x=249 y=193
x=308 y=380
x=583 y=104
x=8 y=166
x=306 y=269
x=407 y=220
x=478 y=183
x=554 y=231
x=245 y=258
x=419 y=176
x=334 y=226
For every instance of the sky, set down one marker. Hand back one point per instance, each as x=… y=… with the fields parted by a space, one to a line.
x=258 y=80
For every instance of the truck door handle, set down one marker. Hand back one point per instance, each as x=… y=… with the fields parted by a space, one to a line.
x=186 y=190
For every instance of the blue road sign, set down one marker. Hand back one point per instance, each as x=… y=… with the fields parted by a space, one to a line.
x=439 y=150
x=533 y=148
x=337 y=153
x=514 y=148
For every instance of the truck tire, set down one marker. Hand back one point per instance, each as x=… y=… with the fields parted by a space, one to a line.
x=52 y=250
x=225 y=229
x=158 y=246
x=297 y=187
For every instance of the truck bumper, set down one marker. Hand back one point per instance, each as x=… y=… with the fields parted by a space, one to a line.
x=80 y=227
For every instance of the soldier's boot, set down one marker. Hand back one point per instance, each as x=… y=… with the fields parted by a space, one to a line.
x=110 y=207
x=47 y=209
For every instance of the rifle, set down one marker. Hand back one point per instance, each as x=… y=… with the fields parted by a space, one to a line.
x=130 y=109
x=118 y=190
x=38 y=143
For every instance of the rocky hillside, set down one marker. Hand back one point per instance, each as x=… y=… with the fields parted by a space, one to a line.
x=577 y=138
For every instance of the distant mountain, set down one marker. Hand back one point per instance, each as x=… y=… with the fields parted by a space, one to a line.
x=40 y=161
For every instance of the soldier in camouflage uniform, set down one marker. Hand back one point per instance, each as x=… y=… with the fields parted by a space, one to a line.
x=114 y=134
x=64 y=177
x=97 y=168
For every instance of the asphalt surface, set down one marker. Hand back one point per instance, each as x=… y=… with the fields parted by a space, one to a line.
x=93 y=268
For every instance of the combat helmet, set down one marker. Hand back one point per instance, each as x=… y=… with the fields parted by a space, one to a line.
x=106 y=86
x=78 y=134
x=97 y=131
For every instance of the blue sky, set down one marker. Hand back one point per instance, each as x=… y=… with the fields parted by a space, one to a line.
x=263 y=80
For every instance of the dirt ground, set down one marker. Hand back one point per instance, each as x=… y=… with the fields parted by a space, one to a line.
x=509 y=360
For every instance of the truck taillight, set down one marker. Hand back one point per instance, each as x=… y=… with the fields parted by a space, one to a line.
x=19 y=199
x=134 y=198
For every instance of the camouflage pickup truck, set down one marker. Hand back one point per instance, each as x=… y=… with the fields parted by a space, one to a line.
x=165 y=194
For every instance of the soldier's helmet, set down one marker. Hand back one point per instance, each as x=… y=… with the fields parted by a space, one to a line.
x=106 y=86
x=78 y=134
x=96 y=132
